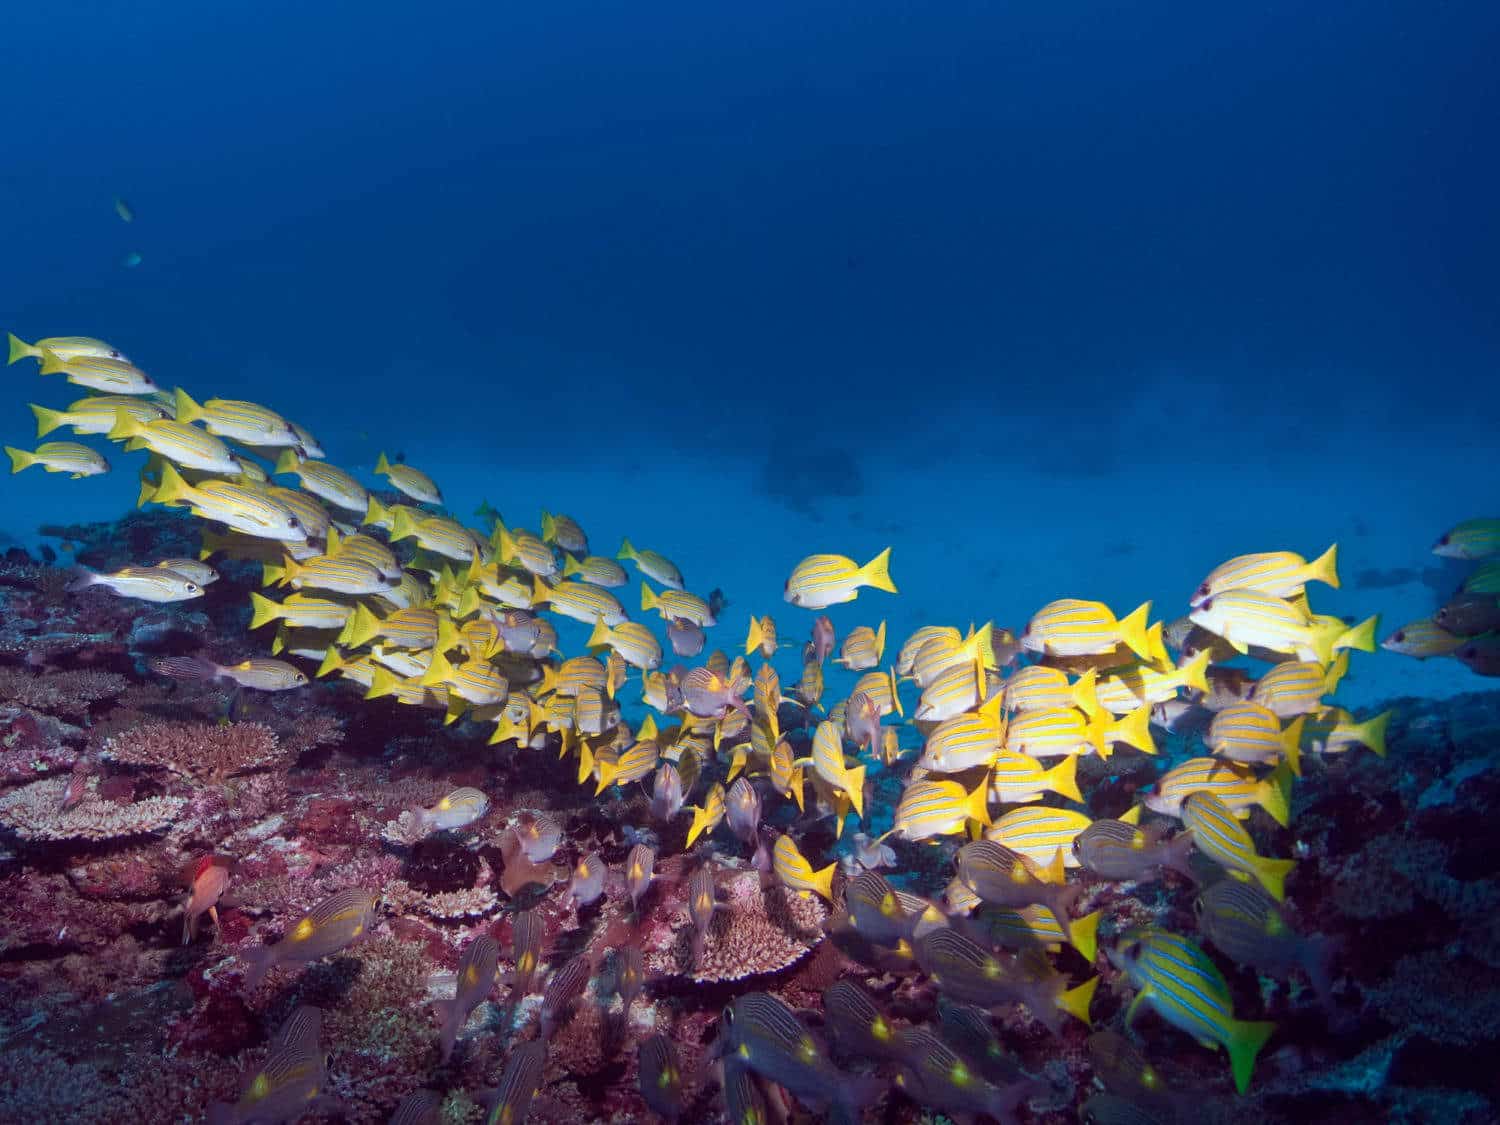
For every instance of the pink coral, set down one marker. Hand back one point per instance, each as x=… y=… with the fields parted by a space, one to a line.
x=197 y=750
x=35 y=812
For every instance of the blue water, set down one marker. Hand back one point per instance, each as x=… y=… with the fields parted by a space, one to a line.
x=1055 y=301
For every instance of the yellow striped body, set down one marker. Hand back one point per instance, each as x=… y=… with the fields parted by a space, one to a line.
x=1038 y=833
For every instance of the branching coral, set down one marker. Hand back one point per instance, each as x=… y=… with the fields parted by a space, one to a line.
x=197 y=750
x=69 y=694
x=35 y=812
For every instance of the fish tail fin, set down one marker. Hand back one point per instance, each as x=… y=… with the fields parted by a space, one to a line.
x=360 y=628
x=1361 y=636
x=540 y=595
x=586 y=761
x=854 y=785
x=172 y=489
x=1272 y=875
x=877 y=573
x=187 y=409
x=51 y=364
x=1324 y=568
x=447 y=633
x=47 y=419
x=402 y=525
x=1291 y=741
x=796 y=784
x=1336 y=672
x=1084 y=935
x=1085 y=692
x=262 y=610
x=607 y=771
x=599 y=636
x=439 y=670
x=626 y=551
x=1275 y=795
x=272 y=574
x=19 y=458
x=649 y=600
x=125 y=427
x=822 y=881
x=571 y=566
x=1063 y=779
x=382 y=466
x=1371 y=732
x=1133 y=631
x=375 y=512
x=287 y=462
x=382 y=683
x=1135 y=730
x=549 y=527
x=333 y=661
x=755 y=637
x=1076 y=1001
x=1195 y=672
x=19 y=349
x=1244 y=1040
x=880 y=641
x=977 y=803
x=81 y=578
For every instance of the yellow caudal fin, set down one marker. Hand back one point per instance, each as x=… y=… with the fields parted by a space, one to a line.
x=1322 y=636
x=877 y=573
x=1272 y=875
x=333 y=661
x=540 y=594
x=992 y=711
x=1085 y=692
x=173 y=489
x=505 y=547
x=1132 y=815
x=1274 y=795
x=647 y=731
x=19 y=458
x=649 y=600
x=1076 y=1001
x=599 y=638
x=571 y=566
x=376 y=512
x=1133 y=631
x=607 y=771
x=626 y=551
x=1157 y=647
x=586 y=764
x=457 y=705
x=1324 y=568
x=19 y=348
x=262 y=611
x=125 y=427
x=1291 y=742
x=1135 y=730
x=1085 y=934
x=382 y=466
x=1371 y=732
x=1054 y=871
x=755 y=638
x=1361 y=636
x=272 y=573
x=549 y=527
x=822 y=881
x=977 y=803
x=47 y=419
x=439 y=671
x=402 y=525
x=1243 y=1041
x=1336 y=672
x=382 y=682
x=796 y=787
x=447 y=633
x=854 y=785
x=187 y=409
x=895 y=693
x=288 y=462
x=1063 y=779
x=1195 y=672
x=51 y=364
x=360 y=628
x=880 y=641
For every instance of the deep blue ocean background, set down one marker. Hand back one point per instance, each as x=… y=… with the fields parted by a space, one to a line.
x=1054 y=299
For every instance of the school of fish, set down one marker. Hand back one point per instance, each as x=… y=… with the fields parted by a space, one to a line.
x=974 y=741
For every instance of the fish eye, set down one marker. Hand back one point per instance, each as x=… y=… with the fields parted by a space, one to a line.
x=1400 y=636
x=1203 y=590
x=291 y=521
x=1443 y=541
x=1207 y=603
x=191 y=588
